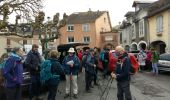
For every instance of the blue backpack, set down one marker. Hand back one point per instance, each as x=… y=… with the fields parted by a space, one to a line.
x=102 y=56
x=45 y=72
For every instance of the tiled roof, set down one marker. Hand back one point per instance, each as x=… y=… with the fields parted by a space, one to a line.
x=158 y=6
x=84 y=17
x=141 y=2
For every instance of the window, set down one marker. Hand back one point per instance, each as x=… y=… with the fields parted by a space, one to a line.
x=24 y=42
x=159 y=24
x=86 y=27
x=141 y=28
x=120 y=38
x=70 y=39
x=133 y=32
x=8 y=42
x=86 y=39
x=70 y=28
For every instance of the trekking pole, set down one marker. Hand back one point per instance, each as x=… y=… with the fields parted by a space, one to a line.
x=108 y=89
x=105 y=88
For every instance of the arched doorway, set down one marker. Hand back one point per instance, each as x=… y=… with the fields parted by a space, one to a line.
x=159 y=46
x=133 y=46
x=142 y=45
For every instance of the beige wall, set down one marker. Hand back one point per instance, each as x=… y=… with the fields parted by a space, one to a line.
x=94 y=33
x=152 y=29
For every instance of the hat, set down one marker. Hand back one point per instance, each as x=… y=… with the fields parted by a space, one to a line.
x=71 y=50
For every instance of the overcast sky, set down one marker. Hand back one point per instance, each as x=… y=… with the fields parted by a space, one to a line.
x=117 y=8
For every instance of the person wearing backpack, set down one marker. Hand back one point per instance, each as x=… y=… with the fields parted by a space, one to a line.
x=122 y=74
x=13 y=73
x=2 y=79
x=71 y=65
x=141 y=60
x=33 y=62
x=154 y=59
x=53 y=71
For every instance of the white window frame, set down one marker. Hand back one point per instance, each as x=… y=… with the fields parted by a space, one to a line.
x=133 y=31
x=141 y=28
x=85 y=39
x=70 y=37
x=159 y=24
x=70 y=28
x=86 y=27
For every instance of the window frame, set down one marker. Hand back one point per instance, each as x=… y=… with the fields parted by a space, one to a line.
x=85 y=38
x=86 y=27
x=159 y=24
x=70 y=37
x=69 y=28
x=141 y=28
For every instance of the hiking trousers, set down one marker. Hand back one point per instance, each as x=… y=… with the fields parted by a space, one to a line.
x=73 y=84
x=124 y=90
x=13 y=93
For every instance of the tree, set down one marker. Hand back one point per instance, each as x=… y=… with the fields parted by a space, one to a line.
x=25 y=9
x=48 y=31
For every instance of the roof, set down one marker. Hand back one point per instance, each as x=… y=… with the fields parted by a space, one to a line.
x=141 y=2
x=158 y=7
x=65 y=47
x=84 y=17
x=129 y=13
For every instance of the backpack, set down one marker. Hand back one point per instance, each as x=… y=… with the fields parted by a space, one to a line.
x=2 y=78
x=102 y=56
x=45 y=72
x=84 y=59
x=134 y=64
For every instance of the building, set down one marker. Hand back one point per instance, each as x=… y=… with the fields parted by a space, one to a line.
x=86 y=27
x=159 y=25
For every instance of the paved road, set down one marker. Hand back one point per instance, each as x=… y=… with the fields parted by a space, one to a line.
x=144 y=86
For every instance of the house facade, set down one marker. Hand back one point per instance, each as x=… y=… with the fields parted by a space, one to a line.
x=86 y=27
x=159 y=26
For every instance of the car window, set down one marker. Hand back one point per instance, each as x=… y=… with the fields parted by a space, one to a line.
x=165 y=57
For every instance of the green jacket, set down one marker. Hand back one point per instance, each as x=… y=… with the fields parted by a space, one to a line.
x=155 y=57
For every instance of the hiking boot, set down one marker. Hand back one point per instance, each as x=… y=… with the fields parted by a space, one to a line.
x=66 y=96
x=88 y=91
x=75 y=96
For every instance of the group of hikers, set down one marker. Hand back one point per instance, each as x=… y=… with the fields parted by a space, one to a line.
x=116 y=63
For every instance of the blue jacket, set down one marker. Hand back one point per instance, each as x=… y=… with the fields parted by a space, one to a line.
x=75 y=69
x=123 y=69
x=13 y=71
x=89 y=66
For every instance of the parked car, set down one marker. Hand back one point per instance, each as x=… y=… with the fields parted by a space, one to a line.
x=164 y=62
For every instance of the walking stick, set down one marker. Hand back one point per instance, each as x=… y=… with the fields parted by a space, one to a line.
x=110 y=80
x=108 y=89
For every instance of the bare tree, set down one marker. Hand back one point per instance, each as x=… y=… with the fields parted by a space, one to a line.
x=26 y=9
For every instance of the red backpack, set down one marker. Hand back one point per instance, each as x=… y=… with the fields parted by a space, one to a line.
x=134 y=64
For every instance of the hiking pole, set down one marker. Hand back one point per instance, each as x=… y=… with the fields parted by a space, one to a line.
x=105 y=88
x=108 y=89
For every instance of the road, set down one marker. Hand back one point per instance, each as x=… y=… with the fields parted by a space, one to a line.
x=144 y=86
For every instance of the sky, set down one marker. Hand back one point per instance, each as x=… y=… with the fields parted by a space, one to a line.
x=116 y=8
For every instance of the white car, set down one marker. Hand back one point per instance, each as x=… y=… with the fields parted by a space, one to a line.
x=164 y=62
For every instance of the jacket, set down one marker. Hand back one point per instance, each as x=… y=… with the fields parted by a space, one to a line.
x=123 y=68
x=33 y=62
x=75 y=69
x=13 y=71
x=89 y=66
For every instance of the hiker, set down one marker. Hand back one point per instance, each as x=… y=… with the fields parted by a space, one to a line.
x=56 y=71
x=33 y=62
x=154 y=59
x=13 y=73
x=90 y=69
x=2 y=63
x=141 y=60
x=71 y=65
x=122 y=74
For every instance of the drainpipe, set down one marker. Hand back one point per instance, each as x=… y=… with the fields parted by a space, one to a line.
x=147 y=32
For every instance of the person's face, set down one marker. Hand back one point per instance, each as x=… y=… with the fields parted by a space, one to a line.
x=35 y=49
x=71 y=53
